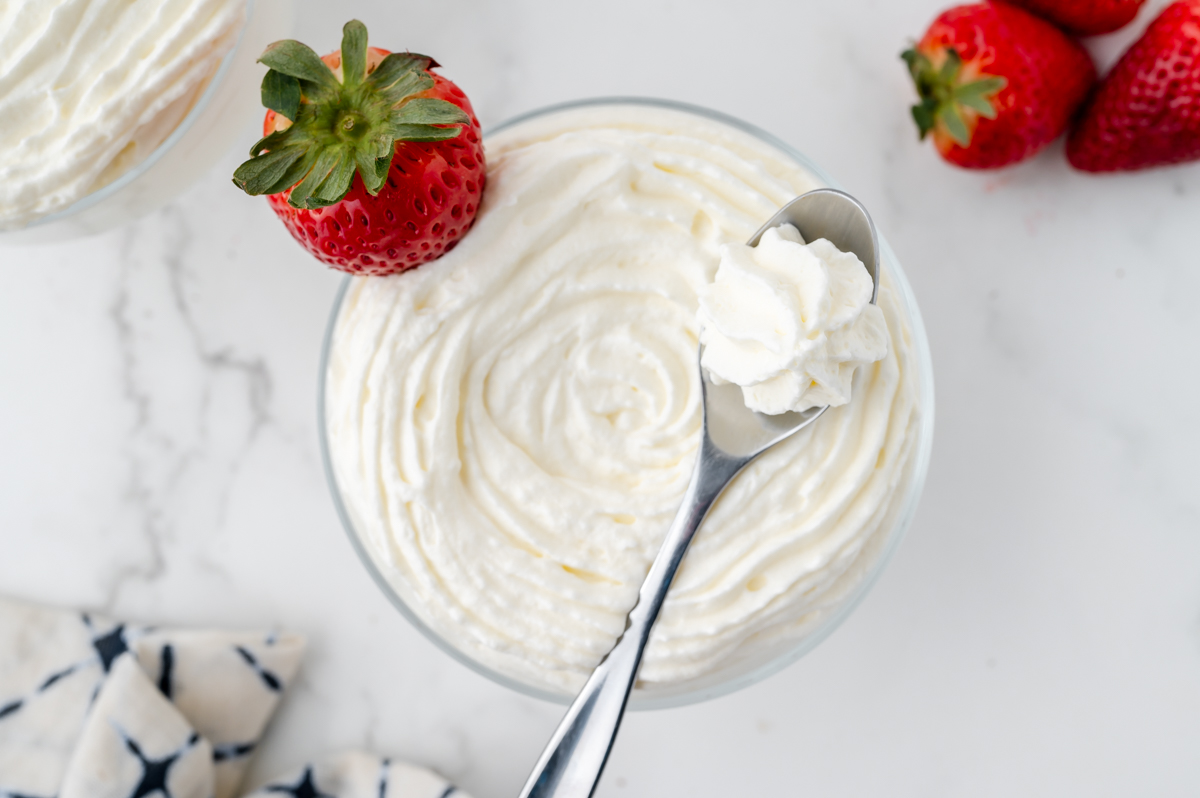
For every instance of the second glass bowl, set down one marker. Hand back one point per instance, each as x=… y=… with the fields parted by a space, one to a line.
x=722 y=681
x=221 y=117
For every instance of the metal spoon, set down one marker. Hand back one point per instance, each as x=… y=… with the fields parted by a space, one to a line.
x=731 y=438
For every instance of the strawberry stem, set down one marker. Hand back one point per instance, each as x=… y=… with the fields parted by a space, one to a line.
x=943 y=95
x=341 y=128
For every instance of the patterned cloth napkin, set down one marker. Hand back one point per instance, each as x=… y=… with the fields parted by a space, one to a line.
x=94 y=708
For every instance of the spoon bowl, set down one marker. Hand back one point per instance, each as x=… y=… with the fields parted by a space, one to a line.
x=843 y=221
x=838 y=218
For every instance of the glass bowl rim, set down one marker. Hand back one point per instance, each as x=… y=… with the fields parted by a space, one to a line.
x=142 y=167
x=829 y=624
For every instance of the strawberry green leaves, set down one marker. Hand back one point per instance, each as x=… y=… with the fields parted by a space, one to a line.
x=944 y=94
x=400 y=72
x=299 y=61
x=354 y=53
x=341 y=128
x=416 y=120
x=270 y=172
x=328 y=181
x=281 y=93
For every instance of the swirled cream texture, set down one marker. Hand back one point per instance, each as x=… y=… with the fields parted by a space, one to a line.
x=89 y=88
x=789 y=322
x=512 y=426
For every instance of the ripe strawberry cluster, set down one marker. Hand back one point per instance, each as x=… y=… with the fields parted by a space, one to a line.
x=998 y=81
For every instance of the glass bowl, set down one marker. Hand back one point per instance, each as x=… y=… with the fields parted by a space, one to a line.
x=221 y=116
x=721 y=682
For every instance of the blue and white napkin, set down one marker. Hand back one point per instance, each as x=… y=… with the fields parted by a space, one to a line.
x=94 y=708
x=355 y=774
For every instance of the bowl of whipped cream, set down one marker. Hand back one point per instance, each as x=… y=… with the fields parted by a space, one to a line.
x=508 y=430
x=114 y=108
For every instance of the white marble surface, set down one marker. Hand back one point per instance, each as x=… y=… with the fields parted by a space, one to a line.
x=1039 y=631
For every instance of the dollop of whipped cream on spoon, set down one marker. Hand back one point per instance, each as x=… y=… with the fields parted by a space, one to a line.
x=789 y=322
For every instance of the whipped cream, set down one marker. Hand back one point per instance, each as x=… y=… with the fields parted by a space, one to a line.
x=789 y=322
x=513 y=425
x=89 y=88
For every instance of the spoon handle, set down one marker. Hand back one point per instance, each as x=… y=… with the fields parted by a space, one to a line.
x=570 y=766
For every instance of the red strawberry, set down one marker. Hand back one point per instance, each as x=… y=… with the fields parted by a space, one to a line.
x=1147 y=110
x=373 y=162
x=1084 y=17
x=996 y=83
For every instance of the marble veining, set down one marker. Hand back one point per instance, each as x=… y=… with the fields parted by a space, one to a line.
x=162 y=446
